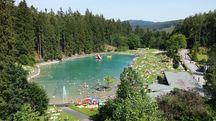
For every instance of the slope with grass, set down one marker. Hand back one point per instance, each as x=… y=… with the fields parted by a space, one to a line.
x=151 y=64
x=86 y=111
x=202 y=57
x=55 y=111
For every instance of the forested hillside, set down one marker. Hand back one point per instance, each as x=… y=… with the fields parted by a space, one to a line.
x=49 y=35
x=153 y=25
x=199 y=29
x=46 y=35
x=68 y=33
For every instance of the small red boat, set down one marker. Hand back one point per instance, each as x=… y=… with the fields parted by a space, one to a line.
x=98 y=57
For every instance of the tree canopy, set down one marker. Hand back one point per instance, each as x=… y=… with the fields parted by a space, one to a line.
x=26 y=114
x=181 y=105
x=15 y=91
x=16 y=44
x=199 y=28
x=131 y=104
x=210 y=74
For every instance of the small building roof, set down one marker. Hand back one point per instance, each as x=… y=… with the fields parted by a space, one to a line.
x=159 y=87
x=181 y=80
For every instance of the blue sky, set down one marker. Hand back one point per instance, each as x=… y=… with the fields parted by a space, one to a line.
x=152 y=10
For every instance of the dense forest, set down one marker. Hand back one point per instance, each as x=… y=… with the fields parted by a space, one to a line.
x=45 y=35
x=19 y=99
x=48 y=35
x=199 y=29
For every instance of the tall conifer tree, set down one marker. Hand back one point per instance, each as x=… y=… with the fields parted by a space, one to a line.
x=25 y=44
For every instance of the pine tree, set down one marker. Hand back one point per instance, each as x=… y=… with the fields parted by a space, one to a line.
x=7 y=36
x=25 y=43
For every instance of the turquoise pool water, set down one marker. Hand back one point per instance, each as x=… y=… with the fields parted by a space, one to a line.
x=66 y=79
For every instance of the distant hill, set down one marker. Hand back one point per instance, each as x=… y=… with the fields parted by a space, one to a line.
x=153 y=25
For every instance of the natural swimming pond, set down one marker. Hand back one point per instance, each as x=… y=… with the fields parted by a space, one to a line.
x=77 y=78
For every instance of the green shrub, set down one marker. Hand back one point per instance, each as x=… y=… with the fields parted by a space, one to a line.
x=123 y=48
x=176 y=60
x=181 y=105
x=26 y=60
x=161 y=80
x=23 y=59
x=175 y=65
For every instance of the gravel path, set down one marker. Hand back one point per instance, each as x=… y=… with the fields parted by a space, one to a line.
x=198 y=76
x=79 y=115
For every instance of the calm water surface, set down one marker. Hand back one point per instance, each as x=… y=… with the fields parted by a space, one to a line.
x=65 y=79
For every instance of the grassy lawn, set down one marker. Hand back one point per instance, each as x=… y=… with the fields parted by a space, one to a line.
x=69 y=117
x=201 y=57
x=151 y=64
x=62 y=115
x=86 y=111
x=28 y=68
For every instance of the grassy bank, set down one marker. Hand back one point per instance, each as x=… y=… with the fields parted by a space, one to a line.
x=61 y=116
x=86 y=111
x=151 y=64
x=202 y=57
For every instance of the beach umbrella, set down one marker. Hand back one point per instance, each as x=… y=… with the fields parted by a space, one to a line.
x=79 y=102
x=94 y=102
x=87 y=100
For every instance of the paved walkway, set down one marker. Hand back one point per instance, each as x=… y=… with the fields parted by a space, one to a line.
x=79 y=115
x=34 y=73
x=197 y=75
